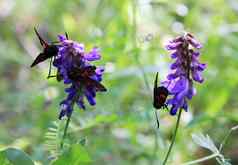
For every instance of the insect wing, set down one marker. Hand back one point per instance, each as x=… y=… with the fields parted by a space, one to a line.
x=84 y=72
x=160 y=97
x=41 y=57
x=93 y=83
x=88 y=71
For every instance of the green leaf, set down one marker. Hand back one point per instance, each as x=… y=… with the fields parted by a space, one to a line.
x=77 y=154
x=13 y=156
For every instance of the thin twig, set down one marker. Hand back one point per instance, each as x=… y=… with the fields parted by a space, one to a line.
x=226 y=137
x=202 y=159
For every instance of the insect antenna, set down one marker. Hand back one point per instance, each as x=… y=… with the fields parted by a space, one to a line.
x=157 y=119
x=49 y=73
x=42 y=42
x=66 y=34
x=156 y=84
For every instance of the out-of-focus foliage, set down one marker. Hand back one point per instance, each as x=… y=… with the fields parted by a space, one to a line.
x=12 y=156
x=121 y=129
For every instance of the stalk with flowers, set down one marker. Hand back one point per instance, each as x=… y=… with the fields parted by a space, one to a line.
x=74 y=68
x=184 y=71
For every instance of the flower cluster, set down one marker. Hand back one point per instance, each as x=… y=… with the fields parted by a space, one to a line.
x=74 y=68
x=185 y=70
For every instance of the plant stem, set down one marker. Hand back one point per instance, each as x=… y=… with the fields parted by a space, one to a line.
x=174 y=136
x=134 y=42
x=202 y=159
x=65 y=131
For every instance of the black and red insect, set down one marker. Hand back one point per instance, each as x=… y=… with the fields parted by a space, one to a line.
x=83 y=75
x=50 y=50
x=160 y=95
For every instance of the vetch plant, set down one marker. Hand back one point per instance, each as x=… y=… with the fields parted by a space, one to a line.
x=74 y=68
x=185 y=70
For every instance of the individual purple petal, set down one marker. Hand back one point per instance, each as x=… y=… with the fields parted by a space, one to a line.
x=174 y=65
x=62 y=38
x=90 y=91
x=172 y=76
x=66 y=109
x=90 y=98
x=62 y=114
x=173 y=46
x=201 y=67
x=93 y=55
x=79 y=48
x=197 y=76
x=99 y=70
x=67 y=81
x=174 y=55
x=80 y=103
x=173 y=110
x=179 y=86
x=195 y=53
x=191 y=92
x=185 y=106
x=194 y=43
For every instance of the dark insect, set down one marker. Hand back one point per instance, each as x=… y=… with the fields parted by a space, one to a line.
x=160 y=96
x=84 y=76
x=50 y=50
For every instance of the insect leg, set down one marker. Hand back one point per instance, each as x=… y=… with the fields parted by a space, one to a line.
x=166 y=106
x=49 y=73
x=157 y=119
x=51 y=76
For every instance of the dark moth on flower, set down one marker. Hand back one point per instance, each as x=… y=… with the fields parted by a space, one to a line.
x=75 y=69
x=50 y=50
x=160 y=95
x=184 y=71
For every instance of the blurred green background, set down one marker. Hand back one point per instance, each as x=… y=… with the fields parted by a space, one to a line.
x=121 y=128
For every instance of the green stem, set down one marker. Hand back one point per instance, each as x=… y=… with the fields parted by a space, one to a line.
x=174 y=136
x=136 y=55
x=202 y=159
x=65 y=131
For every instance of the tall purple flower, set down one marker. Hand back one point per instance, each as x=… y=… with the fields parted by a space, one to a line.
x=74 y=68
x=184 y=71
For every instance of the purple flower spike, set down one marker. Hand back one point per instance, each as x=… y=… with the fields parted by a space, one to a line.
x=74 y=68
x=184 y=71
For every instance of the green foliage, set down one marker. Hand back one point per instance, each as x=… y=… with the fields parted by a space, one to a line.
x=76 y=155
x=52 y=140
x=13 y=156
